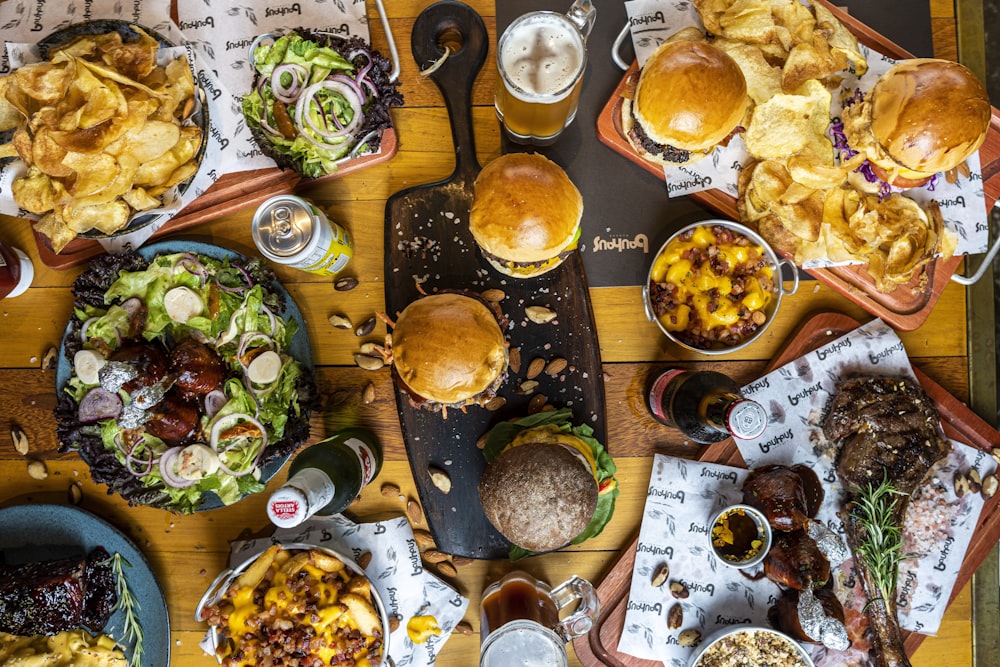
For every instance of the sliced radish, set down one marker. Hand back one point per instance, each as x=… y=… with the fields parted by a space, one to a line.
x=182 y=303
x=87 y=364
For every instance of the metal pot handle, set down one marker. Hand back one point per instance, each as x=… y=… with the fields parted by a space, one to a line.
x=617 y=45
x=987 y=261
x=795 y=276
x=212 y=593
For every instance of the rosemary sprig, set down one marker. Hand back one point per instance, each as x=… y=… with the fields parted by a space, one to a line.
x=129 y=606
x=882 y=546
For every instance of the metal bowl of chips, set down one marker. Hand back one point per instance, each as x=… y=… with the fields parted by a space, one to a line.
x=256 y=575
x=127 y=137
x=704 y=274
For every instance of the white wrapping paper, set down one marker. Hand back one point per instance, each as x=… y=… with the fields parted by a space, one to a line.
x=963 y=204
x=395 y=570
x=683 y=494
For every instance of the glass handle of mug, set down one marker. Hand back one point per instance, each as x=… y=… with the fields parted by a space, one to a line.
x=583 y=13
x=583 y=619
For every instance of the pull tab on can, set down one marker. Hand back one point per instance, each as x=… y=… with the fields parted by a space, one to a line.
x=290 y=230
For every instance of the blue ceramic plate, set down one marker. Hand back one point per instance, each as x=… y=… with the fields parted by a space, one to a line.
x=299 y=349
x=46 y=532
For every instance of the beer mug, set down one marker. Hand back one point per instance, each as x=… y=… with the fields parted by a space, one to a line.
x=520 y=624
x=541 y=57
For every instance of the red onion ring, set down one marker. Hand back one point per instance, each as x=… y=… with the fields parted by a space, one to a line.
x=171 y=478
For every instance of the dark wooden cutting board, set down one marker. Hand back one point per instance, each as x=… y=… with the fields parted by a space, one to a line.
x=427 y=241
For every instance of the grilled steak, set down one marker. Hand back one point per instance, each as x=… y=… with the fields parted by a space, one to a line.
x=889 y=431
x=48 y=597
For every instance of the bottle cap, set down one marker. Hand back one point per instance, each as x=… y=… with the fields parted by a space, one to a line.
x=286 y=508
x=27 y=274
x=746 y=419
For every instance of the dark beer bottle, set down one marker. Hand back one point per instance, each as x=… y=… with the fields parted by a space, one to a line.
x=326 y=477
x=705 y=405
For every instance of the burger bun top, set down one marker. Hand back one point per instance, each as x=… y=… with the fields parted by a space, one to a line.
x=690 y=95
x=539 y=496
x=526 y=209
x=929 y=115
x=448 y=348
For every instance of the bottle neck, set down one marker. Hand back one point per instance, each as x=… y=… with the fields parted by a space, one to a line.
x=727 y=411
x=307 y=492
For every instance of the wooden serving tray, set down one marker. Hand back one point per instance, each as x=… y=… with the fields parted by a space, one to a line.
x=599 y=647
x=231 y=193
x=906 y=307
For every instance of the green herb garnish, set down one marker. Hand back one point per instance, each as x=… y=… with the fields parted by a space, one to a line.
x=129 y=607
x=882 y=546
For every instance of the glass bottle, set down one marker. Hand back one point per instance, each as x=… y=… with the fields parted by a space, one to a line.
x=16 y=271
x=326 y=477
x=705 y=405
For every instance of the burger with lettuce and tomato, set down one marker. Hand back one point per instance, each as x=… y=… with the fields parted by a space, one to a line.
x=547 y=484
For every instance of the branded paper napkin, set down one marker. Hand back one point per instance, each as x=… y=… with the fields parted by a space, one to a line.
x=21 y=30
x=222 y=32
x=963 y=204
x=683 y=494
x=395 y=570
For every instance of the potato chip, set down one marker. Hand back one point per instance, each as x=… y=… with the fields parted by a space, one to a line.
x=763 y=79
x=840 y=38
x=103 y=130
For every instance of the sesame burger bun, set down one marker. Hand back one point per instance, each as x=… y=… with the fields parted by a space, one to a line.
x=538 y=495
x=448 y=349
x=690 y=96
x=925 y=116
x=525 y=214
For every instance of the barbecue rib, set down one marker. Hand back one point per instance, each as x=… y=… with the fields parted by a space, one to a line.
x=47 y=597
x=889 y=431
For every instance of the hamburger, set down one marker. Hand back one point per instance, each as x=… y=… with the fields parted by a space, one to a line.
x=448 y=350
x=691 y=96
x=547 y=483
x=525 y=214
x=922 y=117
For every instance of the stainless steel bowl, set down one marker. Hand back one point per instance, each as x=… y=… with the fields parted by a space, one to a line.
x=228 y=577
x=729 y=634
x=771 y=309
x=763 y=531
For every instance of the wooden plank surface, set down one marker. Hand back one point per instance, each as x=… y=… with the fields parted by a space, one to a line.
x=186 y=552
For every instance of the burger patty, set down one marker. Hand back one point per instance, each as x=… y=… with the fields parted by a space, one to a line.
x=668 y=152
x=525 y=265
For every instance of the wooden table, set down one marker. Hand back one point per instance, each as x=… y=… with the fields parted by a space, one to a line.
x=187 y=551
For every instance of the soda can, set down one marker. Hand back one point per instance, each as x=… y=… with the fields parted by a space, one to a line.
x=290 y=230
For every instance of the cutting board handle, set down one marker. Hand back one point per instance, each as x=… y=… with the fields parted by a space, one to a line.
x=456 y=29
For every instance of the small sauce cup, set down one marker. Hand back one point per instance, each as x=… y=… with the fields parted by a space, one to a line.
x=740 y=536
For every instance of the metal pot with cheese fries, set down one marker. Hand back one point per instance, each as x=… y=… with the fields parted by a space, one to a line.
x=296 y=599
x=715 y=286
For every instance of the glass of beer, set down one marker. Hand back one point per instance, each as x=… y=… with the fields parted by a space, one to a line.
x=520 y=623
x=541 y=58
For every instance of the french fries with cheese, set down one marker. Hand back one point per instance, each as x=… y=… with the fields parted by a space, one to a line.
x=298 y=602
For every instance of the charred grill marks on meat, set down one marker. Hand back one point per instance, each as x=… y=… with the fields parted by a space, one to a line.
x=890 y=437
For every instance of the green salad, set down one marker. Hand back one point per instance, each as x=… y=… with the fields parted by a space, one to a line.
x=184 y=375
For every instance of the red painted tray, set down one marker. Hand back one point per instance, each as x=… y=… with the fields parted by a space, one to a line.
x=599 y=647
x=906 y=307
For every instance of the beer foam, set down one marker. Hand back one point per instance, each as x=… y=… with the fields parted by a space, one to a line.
x=542 y=55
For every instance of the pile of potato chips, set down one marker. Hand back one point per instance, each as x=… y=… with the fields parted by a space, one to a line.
x=795 y=191
x=103 y=130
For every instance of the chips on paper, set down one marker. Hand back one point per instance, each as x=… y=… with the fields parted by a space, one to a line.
x=103 y=130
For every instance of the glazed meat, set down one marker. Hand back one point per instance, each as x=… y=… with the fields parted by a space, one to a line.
x=148 y=359
x=889 y=431
x=788 y=496
x=48 y=597
x=796 y=562
x=784 y=614
x=173 y=419
x=197 y=367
